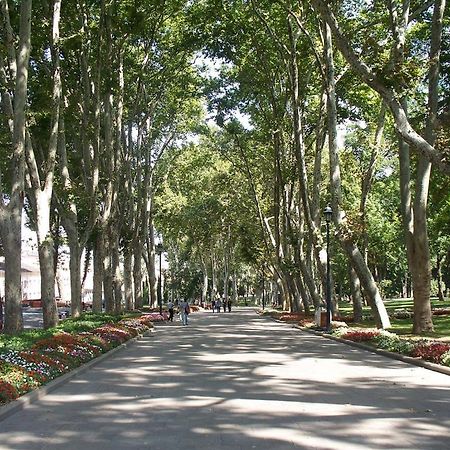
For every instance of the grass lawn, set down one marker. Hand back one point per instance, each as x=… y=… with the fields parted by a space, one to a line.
x=86 y=322
x=404 y=326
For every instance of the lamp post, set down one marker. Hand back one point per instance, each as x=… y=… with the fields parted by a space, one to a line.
x=263 y=286
x=328 y=213
x=160 y=250
x=263 y=292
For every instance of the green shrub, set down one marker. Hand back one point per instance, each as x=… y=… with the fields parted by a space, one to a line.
x=445 y=359
x=393 y=343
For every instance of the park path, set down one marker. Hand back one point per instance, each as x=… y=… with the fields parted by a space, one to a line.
x=239 y=381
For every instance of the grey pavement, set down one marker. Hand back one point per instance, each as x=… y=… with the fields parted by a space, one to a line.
x=239 y=381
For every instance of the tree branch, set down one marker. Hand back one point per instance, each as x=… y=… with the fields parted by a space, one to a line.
x=402 y=124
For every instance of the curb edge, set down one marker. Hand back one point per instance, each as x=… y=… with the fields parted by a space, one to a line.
x=30 y=397
x=406 y=359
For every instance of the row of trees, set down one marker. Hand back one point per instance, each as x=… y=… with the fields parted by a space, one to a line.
x=97 y=97
x=92 y=94
x=301 y=71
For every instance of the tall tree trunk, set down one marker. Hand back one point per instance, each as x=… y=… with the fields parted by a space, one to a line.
x=343 y=233
x=234 y=296
x=137 y=275
x=128 y=278
x=439 y=259
x=41 y=186
x=69 y=218
x=151 y=270
x=11 y=214
x=306 y=278
x=357 y=301
x=305 y=199
x=97 y=295
x=367 y=180
x=213 y=277
x=205 y=282
x=75 y=269
x=46 y=265
x=366 y=184
x=115 y=269
x=108 y=274
x=305 y=298
x=421 y=265
x=226 y=275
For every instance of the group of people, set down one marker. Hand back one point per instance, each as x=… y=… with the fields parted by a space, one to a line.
x=216 y=305
x=183 y=309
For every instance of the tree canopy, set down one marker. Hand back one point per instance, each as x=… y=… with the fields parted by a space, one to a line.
x=224 y=128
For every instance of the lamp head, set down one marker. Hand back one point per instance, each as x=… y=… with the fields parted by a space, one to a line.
x=328 y=213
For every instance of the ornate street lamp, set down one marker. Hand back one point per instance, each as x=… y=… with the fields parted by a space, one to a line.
x=160 y=250
x=328 y=213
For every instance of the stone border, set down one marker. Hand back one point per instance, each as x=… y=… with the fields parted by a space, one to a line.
x=30 y=397
x=406 y=359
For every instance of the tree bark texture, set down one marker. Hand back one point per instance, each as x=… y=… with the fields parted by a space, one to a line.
x=342 y=233
x=97 y=295
x=355 y=289
x=137 y=276
x=128 y=279
x=11 y=214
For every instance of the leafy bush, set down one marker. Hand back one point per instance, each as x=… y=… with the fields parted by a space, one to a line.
x=445 y=359
x=392 y=343
x=402 y=314
x=87 y=322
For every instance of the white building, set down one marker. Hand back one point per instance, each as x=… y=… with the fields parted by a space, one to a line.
x=31 y=279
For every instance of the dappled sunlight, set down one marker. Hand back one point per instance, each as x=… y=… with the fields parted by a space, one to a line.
x=301 y=437
x=240 y=356
x=287 y=408
x=240 y=381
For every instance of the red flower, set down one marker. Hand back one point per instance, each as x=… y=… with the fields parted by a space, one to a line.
x=360 y=335
x=7 y=392
x=432 y=351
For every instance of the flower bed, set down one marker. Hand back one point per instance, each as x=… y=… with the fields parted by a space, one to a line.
x=289 y=317
x=156 y=316
x=359 y=335
x=428 y=350
x=24 y=370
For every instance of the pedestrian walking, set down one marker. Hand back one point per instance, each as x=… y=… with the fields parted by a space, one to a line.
x=213 y=305
x=229 y=305
x=170 y=308
x=218 y=305
x=224 y=305
x=184 y=311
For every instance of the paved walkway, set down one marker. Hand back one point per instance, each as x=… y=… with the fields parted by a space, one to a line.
x=238 y=381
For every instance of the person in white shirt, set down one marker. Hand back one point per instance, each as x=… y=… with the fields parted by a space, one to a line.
x=184 y=307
